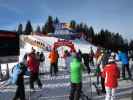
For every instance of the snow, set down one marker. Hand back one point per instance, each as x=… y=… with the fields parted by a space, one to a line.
x=81 y=44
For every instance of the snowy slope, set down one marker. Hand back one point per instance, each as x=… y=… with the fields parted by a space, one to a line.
x=79 y=44
x=61 y=85
x=83 y=45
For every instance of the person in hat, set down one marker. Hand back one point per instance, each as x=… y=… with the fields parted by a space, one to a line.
x=123 y=57
x=53 y=56
x=76 y=68
x=33 y=65
x=111 y=74
x=99 y=69
x=20 y=91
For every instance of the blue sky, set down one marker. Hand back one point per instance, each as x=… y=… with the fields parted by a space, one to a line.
x=114 y=15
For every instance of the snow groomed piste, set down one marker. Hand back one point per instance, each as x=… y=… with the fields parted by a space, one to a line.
x=58 y=88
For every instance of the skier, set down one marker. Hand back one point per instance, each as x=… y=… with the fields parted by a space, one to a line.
x=17 y=78
x=85 y=57
x=56 y=64
x=91 y=55
x=33 y=65
x=1 y=76
x=122 y=56
x=79 y=54
x=53 y=56
x=67 y=57
x=111 y=74
x=20 y=92
x=104 y=61
x=41 y=60
x=76 y=68
x=99 y=64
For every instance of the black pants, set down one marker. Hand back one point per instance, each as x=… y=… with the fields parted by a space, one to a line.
x=88 y=67
x=56 y=67
x=75 y=91
x=1 y=76
x=91 y=61
x=53 y=69
x=97 y=74
x=102 y=84
x=35 y=77
x=126 y=67
x=20 y=92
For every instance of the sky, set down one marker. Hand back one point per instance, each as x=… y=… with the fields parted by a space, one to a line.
x=114 y=15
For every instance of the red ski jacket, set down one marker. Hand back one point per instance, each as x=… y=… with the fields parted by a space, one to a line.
x=33 y=63
x=111 y=74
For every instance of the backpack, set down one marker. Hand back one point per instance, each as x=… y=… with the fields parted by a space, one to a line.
x=15 y=72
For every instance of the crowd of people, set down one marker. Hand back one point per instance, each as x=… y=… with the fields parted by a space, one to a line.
x=28 y=66
x=107 y=70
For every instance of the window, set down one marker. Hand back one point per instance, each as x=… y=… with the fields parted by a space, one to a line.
x=9 y=43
